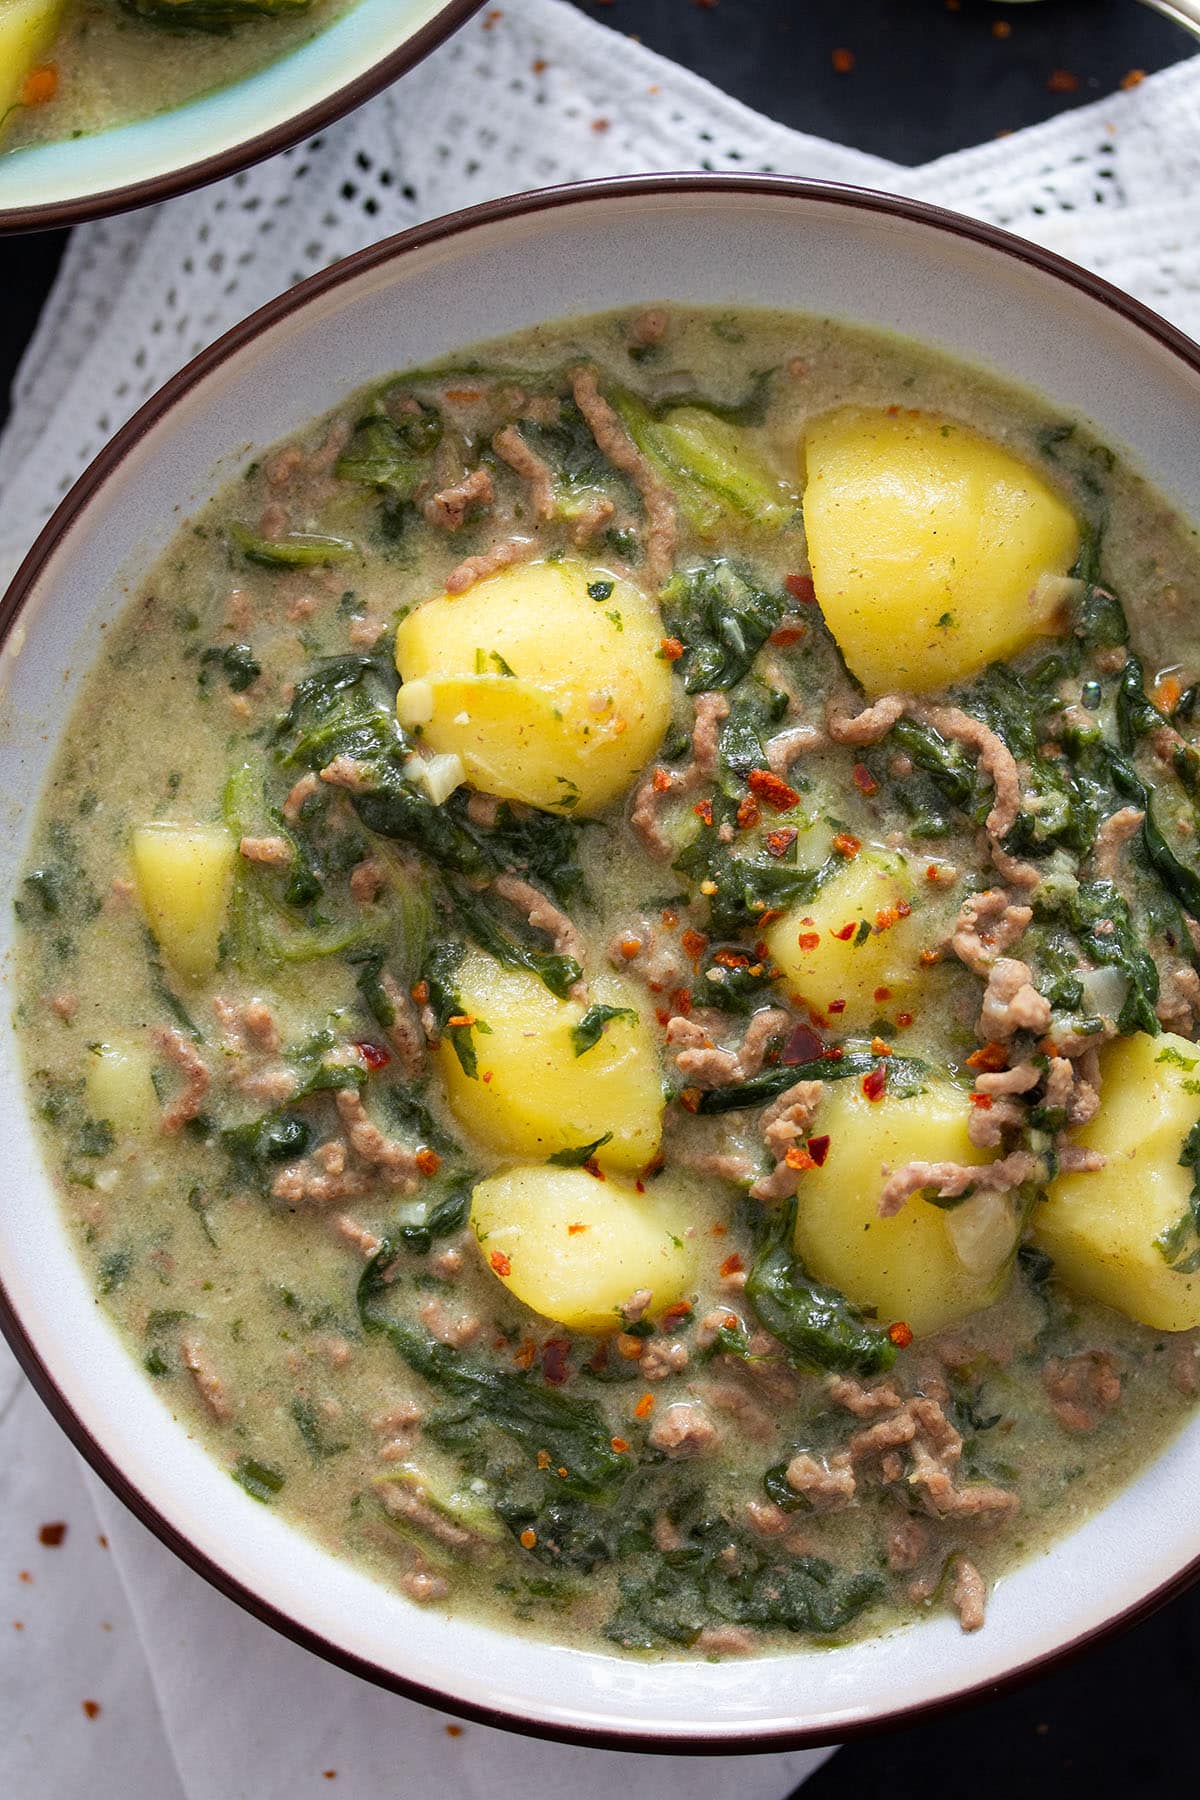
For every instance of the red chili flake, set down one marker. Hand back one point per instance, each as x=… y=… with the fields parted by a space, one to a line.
x=681 y=1001
x=672 y=649
x=639 y=1186
x=554 y=1360
x=874 y=1083
x=592 y=1167
x=420 y=992
x=528 y=1538
x=879 y=1047
x=904 y=1020
x=719 y=1230
x=748 y=813
x=780 y=842
x=52 y=1535
x=883 y=993
x=808 y=940
x=644 y=1407
x=486 y=1076
x=843 y=932
x=523 y=1356
x=843 y=62
x=982 y=1101
x=900 y=1334
x=459 y=1019
x=630 y=947
x=663 y=1015
x=802 y=1046
x=703 y=810
x=694 y=943
x=801 y=588
x=374 y=1055
x=689 y=1099
x=675 y=1315
x=1061 y=81
x=732 y=959
x=620 y=1445
x=932 y=872
x=732 y=1264
x=428 y=1161
x=670 y=917
x=903 y=909
x=864 y=781
x=786 y=635
x=797 y=1157
x=1134 y=78
x=818 y=1149
x=846 y=845
x=836 y=1006
x=929 y=957
x=660 y=781
x=834 y=1053
x=500 y=1263
x=574 y=1230
x=91 y=1708
x=993 y=1057
x=769 y=914
x=771 y=788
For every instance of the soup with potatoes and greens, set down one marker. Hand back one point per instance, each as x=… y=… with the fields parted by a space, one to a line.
x=610 y=972
x=72 y=67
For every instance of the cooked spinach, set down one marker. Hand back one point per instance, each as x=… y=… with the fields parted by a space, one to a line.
x=722 y=616
x=904 y=1075
x=817 y=1325
x=590 y=1029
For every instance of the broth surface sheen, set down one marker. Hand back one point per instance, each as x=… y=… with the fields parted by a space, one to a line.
x=610 y=978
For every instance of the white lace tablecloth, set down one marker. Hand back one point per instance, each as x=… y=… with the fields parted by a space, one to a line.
x=195 y=1700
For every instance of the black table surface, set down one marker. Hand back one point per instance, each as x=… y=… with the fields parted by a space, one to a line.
x=926 y=77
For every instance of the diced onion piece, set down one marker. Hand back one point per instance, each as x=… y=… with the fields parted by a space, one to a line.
x=983 y=1231
x=439 y=776
x=1104 y=991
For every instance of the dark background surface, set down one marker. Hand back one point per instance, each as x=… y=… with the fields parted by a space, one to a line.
x=927 y=77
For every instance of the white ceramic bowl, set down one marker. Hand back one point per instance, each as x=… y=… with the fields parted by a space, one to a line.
x=219 y=133
x=884 y=262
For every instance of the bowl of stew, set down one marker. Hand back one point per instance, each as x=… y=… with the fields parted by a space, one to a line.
x=600 y=1072
x=108 y=104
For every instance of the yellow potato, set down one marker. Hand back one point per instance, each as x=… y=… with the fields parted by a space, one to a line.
x=871 y=974
x=120 y=1089
x=533 y=1096
x=907 y=1267
x=587 y=700
x=927 y=542
x=576 y=1249
x=184 y=877
x=27 y=29
x=1101 y=1228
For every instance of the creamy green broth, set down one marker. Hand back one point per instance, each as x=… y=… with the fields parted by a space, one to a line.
x=114 y=67
x=279 y=1227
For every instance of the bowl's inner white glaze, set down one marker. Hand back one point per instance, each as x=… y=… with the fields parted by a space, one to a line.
x=720 y=245
x=147 y=150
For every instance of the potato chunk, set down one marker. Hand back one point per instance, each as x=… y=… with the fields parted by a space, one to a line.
x=1101 y=1229
x=909 y=1266
x=576 y=1249
x=184 y=876
x=27 y=29
x=546 y=679
x=120 y=1089
x=857 y=942
x=533 y=1096
x=927 y=542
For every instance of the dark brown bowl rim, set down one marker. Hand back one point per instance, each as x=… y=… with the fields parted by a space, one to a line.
x=75 y=504
x=59 y=213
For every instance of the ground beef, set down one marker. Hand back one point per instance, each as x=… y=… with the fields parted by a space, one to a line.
x=1082 y=1389
x=969 y=1594
x=615 y=443
x=994 y=756
x=703 y=1065
x=827 y=1486
x=489 y=562
x=661 y=1358
x=948 y=1179
x=361 y=1237
x=209 y=1384
x=184 y=1057
x=447 y=509
x=404 y=1034
x=870 y=725
x=458 y=1330
x=907 y=1544
x=988 y=925
x=302 y=790
x=1011 y=1003
x=542 y=914
x=863 y=1402
x=1113 y=835
x=272 y=852
x=512 y=448
x=683 y=1430
x=799 y=740
x=663 y=785
x=784 y=1123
